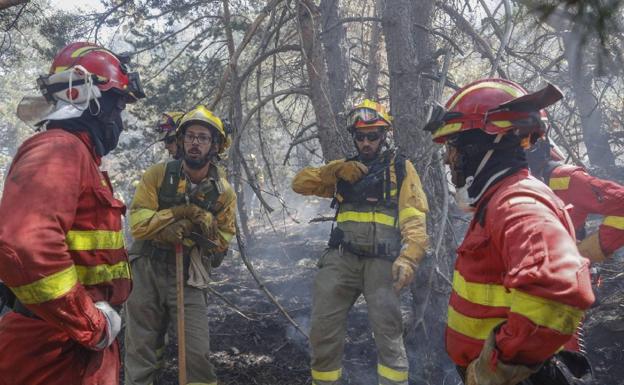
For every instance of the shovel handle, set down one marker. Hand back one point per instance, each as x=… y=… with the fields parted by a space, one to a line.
x=180 y=308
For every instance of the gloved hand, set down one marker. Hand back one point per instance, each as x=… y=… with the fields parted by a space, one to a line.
x=191 y=212
x=207 y=224
x=350 y=171
x=479 y=371
x=402 y=273
x=175 y=232
x=590 y=248
x=113 y=325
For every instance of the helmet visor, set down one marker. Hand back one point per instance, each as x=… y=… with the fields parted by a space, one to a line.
x=364 y=116
x=135 y=87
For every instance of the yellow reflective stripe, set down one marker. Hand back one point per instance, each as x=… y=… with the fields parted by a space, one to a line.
x=613 y=221
x=47 y=288
x=513 y=91
x=559 y=183
x=478 y=328
x=80 y=51
x=541 y=311
x=138 y=216
x=447 y=129
x=365 y=217
x=391 y=374
x=93 y=275
x=393 y=192
x=333 y=375
x=409 y=212
x=79 y=240
x=502 y=123
x=227 y=236
x=544 y=312
x=486 y=294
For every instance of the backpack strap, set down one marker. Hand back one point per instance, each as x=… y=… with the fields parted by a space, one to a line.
x=399 y=170
x=169 y=187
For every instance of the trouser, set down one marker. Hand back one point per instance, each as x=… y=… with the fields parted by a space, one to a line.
x=33 y=352
x=341 y=279
x=150 y=309
x=564 y=368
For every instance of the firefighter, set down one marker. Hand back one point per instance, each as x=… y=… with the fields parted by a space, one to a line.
x=587 y=195
x=520 y=286
x=186 y=201
x=374 y=250
x=62 y=248
x=167 y=125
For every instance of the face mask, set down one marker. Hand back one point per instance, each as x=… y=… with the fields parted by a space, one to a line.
x=110 y=123
x=464 y=202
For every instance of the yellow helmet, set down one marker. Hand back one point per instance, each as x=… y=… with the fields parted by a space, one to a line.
x=203 y=116
x=168 y=123
x=368 y=114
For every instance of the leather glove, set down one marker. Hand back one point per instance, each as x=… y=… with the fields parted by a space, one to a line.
x=590 y=248
x=350 y=171
x=481 y=372
x=175 y=232
x=207 y=224
x=191 y=212
x=402 y=273
x=113 y=324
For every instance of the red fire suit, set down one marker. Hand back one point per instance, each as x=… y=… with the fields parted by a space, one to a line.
x=591 y=195
x=518 y=267
x=61 y=250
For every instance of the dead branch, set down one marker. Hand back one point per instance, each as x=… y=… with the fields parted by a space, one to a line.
x=234 y=58
x=229 y=303
x=256 y=277
x=481 y=45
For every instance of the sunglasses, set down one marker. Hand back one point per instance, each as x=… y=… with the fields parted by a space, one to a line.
x=371 y=136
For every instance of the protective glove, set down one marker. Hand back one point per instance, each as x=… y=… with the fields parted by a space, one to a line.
x=350 y=171
x=482 y=372
x=590 y=248
x=175 y=232
x=113 y=325
x=191 y=212
x=402 y=273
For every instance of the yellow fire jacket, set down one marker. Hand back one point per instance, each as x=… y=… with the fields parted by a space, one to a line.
x=412 y=205
x=146 y=220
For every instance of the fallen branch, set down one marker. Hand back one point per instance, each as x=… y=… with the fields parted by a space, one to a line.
x=231 y=305
x=252 y=271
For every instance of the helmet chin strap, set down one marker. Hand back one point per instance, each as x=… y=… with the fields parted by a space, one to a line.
x=470 y=179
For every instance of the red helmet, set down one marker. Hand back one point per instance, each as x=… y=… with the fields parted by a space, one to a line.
x=494 y=106
x=110 y=69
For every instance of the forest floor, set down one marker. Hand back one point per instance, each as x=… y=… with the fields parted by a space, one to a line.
x=262 y=348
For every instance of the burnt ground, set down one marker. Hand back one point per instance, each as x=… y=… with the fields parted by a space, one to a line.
x=267 y=350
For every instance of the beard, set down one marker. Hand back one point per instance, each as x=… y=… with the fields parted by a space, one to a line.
x=196 y=163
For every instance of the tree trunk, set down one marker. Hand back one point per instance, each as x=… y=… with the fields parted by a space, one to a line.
x=236 y=115
x=332 y=143
x=372 y=82
x=408 y=50
x=590 y=111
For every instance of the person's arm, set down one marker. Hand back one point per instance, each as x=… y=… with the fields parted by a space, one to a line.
x=37 y=212
x=225 y=218
x=413 y=208
x=146 y=221
x=548 y=279
x=602 y=197
x=321 y=181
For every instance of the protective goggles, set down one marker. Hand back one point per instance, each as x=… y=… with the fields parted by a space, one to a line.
x=371 y=136
x=365 y=116
x=135 y=87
